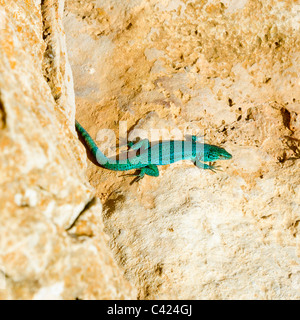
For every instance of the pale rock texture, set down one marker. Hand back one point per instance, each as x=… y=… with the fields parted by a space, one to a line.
x=230 y=71
x=52 y=244
x=56 y=66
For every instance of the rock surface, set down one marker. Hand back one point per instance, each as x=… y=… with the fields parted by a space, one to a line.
x=229 y=70
x=52 y=243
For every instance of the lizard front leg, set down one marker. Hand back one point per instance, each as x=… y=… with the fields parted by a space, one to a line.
x=204 y=166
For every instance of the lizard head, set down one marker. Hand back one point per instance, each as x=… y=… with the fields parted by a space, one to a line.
x=213 y=153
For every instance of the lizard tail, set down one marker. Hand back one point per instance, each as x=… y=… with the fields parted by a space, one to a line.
x=99 y=156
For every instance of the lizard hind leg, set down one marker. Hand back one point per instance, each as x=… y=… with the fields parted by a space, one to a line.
x=145 y=144
x=138 y=176
x=196 y=138
x=150 y=170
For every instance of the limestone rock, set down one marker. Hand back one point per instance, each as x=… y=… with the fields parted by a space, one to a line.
x=48 y=248
x=229 y=70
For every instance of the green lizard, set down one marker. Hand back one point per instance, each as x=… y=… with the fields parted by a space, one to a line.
x=161 y=153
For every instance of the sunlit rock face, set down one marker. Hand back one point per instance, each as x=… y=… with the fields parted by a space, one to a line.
x=230 y=71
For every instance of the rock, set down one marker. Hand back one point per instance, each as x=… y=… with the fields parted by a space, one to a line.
x=228 y=70
x=49 y=249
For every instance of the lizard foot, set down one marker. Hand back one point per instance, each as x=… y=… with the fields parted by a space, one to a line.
x=205 y=166
x=215 y=168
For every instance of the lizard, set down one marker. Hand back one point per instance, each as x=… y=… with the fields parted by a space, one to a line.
x=153 y=154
